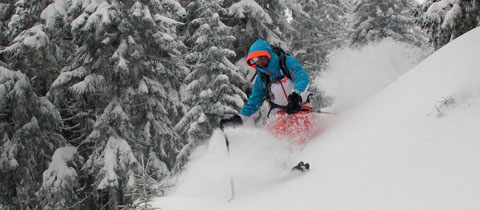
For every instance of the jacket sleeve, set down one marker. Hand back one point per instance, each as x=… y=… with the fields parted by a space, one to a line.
x=256 y=99
x=298 y=73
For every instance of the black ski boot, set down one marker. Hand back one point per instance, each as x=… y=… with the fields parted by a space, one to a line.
x=302 y=166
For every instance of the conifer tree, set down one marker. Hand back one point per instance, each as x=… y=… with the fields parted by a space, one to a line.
x=94 y=55
x=262 y=19
x=6 y=11
x=30 y=126
x=121 y=90
x=373 y=20
x=211 y=83
x=323 y=29
x=143 y=190
x=112 y=163
x=61 y=180
x=446 y=20
x=20 y=15
x=29 y=48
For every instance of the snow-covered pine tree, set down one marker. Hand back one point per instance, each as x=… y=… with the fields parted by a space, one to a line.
x=144 y=189
x=28 y=46
x=281 y=29
x=112 y=164
x=156 y=102
x=61 y=180
x=30 y=127
x=8 y=163
x=6 y=11
x=373 y=20
x=324 y=29
x=119 y=92
x=239 y=21
x=212 y=93
x=445 y=20
x=259 y=19
x=20 y=15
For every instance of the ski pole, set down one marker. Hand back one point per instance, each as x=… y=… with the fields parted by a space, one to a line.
x=322 y=112
x=228 y=152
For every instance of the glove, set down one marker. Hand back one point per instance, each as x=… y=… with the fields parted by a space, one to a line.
x=233 y=121
x=294 y=103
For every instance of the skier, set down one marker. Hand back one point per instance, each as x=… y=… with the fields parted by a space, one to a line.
x=284 y=83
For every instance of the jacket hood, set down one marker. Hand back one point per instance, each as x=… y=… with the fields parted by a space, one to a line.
x=263 y=48
x=259 y=48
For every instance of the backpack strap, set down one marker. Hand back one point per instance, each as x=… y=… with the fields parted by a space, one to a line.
x=267 y=83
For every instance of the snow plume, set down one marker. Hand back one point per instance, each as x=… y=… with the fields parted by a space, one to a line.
x=210 y=165
x=356 y=74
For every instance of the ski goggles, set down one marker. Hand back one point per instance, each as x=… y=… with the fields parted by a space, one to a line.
x=254 y=60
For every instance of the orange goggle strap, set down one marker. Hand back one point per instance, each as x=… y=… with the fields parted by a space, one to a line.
x=255 y=54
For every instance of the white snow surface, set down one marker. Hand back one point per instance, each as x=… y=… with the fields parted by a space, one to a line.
x=411 y=145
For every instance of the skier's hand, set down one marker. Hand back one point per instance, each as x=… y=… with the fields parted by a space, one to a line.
x=294 y=103
x=233 y=121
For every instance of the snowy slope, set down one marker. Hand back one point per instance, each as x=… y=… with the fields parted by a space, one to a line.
x=413 y=145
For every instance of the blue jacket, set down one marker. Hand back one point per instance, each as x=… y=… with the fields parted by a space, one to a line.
x=298 y=74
